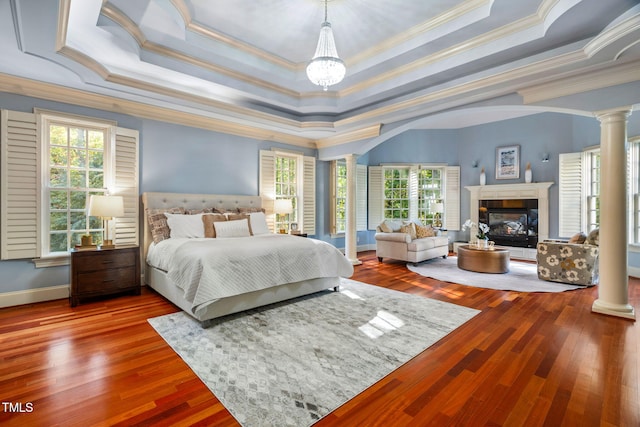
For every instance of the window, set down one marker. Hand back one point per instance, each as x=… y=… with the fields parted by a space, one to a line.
x=75 y=153
x=287 y=175
x=287 y=188
x=579 y=191
x=339 y=197
x=428 y=193
x=396 y=193
x=593 y=189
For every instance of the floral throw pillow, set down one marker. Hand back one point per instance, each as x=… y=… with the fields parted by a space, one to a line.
x=424 y=231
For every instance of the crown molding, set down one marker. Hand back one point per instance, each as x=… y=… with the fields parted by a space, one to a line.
x=612 y=75
x=52 y=92
x=350 y=136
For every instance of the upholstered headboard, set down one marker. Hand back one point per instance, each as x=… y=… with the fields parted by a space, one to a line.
x=192 y=201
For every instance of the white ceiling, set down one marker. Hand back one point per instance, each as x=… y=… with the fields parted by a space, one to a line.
x=238 y=65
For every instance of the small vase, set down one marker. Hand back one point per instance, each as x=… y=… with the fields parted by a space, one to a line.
x=527 y=174
x=483 y=177
x=482 y=243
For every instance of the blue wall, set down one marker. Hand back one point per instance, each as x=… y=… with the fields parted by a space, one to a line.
x=176 y=158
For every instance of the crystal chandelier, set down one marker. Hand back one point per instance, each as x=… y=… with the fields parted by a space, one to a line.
x=326 y=68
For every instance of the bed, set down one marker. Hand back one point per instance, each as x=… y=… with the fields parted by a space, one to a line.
x=213 y=277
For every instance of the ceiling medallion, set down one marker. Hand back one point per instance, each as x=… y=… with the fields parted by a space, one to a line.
x=326 y=68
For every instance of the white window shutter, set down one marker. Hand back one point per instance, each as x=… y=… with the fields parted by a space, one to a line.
x=413 y=192
x=570 y=188
x=361 y=197
x=309 y=195
x=267 y=188
x=19 y=166
x=126 y=185
x=376 y=189
x=452 y=198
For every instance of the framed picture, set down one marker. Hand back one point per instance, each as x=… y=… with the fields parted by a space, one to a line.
x=508 y=162
x=294 y=226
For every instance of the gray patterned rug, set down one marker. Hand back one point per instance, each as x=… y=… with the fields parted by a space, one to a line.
x=291 y=363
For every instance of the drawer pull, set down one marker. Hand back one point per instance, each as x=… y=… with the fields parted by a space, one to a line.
x=107 y=262
x=108 y=280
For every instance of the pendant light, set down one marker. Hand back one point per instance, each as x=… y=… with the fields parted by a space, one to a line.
x=326 y=68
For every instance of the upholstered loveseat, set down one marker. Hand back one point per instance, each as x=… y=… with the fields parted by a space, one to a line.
x=409 y=241
x=574 y=261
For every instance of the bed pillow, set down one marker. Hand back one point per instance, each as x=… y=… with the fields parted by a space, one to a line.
x=258 y=223
x=208 y=220
x=158 y=222
x=234 y=228
x=188 y=226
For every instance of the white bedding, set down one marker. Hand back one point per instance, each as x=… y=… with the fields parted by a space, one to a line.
x=209 y=269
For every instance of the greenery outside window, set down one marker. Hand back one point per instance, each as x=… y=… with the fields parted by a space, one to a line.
x=429 y=191
x=286 y=183
x=340 y=196
x=593 y=191
x=76 y=155
x=396 y=193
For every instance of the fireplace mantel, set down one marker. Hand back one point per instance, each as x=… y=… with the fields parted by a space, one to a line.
x=535 y=190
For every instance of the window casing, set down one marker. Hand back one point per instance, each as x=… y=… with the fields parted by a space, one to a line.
x=75 y=163
x=592 y=164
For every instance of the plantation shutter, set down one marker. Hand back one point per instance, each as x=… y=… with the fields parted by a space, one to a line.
x=361 y=197
x=413 y=192
x=451 y=220
x=309 y=195
x=126 y=185
x=570 y=187
x=267 y=188
x=376 y=189
x=19 y=173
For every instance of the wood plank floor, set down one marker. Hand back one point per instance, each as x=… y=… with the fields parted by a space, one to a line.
x=526 y=360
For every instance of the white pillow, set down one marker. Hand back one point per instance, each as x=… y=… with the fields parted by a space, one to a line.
x=258 y=223
x=185 y=225
x=235 y=228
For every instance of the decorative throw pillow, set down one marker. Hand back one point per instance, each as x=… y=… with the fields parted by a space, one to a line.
x=235 y=228
x=424 y=231
x=384 y=227
x=237 y=216
x=250 y=210
x=578 y=238
x=410 y=229
x=158 y=222
x=198 y=211
x=185 y=226
x=258 y=223
x=208 y=220
x=594 y=237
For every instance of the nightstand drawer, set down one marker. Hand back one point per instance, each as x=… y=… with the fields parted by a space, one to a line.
x=98 y=281
x=104 y=260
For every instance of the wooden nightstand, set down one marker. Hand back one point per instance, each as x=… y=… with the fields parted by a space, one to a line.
x=104 y=272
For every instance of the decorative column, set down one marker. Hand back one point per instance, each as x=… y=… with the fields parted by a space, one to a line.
x=613 y=292
x=351 y=233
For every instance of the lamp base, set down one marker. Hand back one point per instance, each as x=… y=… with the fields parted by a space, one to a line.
x=107 y=244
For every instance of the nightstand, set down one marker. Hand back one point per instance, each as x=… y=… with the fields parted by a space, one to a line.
x=101 y=272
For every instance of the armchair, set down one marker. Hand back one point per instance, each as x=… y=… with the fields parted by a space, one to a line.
x=564 y=262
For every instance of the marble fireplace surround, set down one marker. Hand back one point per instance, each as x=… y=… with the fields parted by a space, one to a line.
x=534 y=190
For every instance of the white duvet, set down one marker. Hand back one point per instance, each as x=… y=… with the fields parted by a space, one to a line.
x=210 y=269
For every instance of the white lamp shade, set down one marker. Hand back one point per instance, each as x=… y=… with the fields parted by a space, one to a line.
x=283 y=206
x=437 y=207
x=106 y=206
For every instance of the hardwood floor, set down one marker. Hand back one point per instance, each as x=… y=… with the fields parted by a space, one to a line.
x=526 y=360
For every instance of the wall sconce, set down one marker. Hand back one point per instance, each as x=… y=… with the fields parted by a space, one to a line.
x=545 y=157
x=474 y=164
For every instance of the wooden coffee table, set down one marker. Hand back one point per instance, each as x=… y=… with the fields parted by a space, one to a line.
x=483 y=260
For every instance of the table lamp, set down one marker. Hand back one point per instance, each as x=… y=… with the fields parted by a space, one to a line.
x=437 y=208
x=283 y=207
x=106 y=208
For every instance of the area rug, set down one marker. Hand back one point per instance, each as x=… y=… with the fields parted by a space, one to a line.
x=291 y=363
x=522 y=276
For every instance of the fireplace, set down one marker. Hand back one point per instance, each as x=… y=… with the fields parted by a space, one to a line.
x=512 y=222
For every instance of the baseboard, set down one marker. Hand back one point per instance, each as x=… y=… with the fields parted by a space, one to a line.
x=30 y=296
